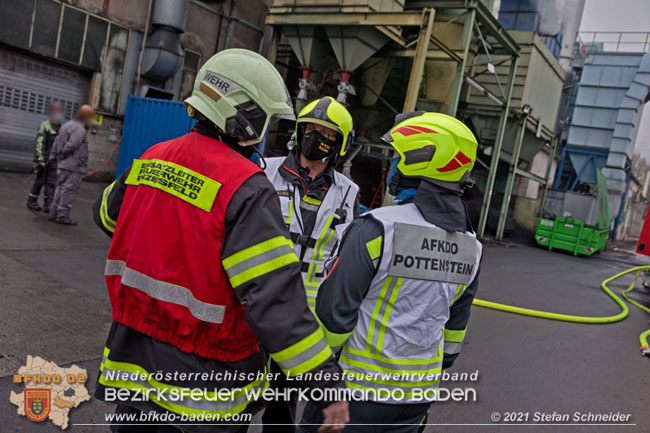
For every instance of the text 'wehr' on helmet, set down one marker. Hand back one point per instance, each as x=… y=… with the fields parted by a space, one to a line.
x=240 y=91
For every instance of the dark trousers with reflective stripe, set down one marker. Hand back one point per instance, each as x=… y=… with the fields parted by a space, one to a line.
x=370 y=417
x=279 y=416
x=46 y=180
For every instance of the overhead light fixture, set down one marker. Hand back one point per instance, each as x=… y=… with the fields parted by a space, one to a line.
x=527 y=110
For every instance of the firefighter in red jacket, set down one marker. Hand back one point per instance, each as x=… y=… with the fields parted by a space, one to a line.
x=201 y=274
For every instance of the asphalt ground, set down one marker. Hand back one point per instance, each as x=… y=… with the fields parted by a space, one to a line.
x=54 y=305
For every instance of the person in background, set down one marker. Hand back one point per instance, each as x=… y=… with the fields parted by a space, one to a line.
x=45 y=169
x=70 y=154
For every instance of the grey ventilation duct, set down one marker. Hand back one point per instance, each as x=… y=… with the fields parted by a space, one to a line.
x=163 y=53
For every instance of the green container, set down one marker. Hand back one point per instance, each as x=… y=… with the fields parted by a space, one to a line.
x=571 y=235
x=566 y=233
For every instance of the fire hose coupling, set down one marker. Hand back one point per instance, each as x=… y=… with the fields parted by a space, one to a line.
x=645 y=350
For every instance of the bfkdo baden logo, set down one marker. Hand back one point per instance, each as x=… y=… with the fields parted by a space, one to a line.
x=49 y=392
x=37 y=404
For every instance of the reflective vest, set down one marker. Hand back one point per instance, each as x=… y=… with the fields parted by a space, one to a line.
x=164 y=272
x=395 y=352
x=336 y=210
x=44 y=141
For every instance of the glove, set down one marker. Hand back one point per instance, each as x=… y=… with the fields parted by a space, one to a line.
x=38 y=167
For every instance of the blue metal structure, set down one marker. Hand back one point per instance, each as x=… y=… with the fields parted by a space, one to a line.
x=590 y=158
x=526 y=15
x=149 y=121
x=604 y=121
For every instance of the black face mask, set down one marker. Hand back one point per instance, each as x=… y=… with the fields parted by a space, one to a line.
x=316 y=147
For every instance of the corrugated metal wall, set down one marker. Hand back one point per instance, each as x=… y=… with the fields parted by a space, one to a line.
x=149 y=121
x=612 y=91
x=538 y=83
x=27 y=87
x=605 y=80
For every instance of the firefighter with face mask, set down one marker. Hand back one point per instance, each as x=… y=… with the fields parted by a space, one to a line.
x=314 y=197
x=398 y=297
x=201 y=274
x=315 y=200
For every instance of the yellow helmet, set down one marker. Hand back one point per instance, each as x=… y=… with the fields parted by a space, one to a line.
x=329 y=112
x=432 y=146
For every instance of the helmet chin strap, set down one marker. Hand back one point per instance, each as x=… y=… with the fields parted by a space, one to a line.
x=249 y=142
x=262 y=161
x=466 y=182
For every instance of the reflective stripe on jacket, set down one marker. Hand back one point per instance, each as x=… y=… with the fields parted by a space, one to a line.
x=399 y=340
x=173 y=263
x=314 y=248
x=44 y=141
x=182 y=400
x=164 y=272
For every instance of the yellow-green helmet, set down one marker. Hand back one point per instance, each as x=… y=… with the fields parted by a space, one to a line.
x=239 y=91
x=329 y=112
x=432 y=146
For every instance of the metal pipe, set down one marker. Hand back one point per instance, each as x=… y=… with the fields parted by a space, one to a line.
x=144 y=42
x=445 y=49
x=419 y=59
x=226 y=31
x=560 y=169
x=510 y=182
x=549 y=167
x=460 y=68
x=496 y=153
x=478 y=86
x=529 y=175
x=273 y=46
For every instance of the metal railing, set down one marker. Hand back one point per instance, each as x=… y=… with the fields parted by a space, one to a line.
x=624 y=42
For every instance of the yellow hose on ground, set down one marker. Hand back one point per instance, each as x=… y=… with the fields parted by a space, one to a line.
x=643 y=338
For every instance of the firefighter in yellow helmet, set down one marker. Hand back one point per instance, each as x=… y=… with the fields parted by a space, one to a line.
x=315 y=199
x=398 y=297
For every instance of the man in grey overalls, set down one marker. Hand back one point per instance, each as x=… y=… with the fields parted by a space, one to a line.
x=70 y=151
